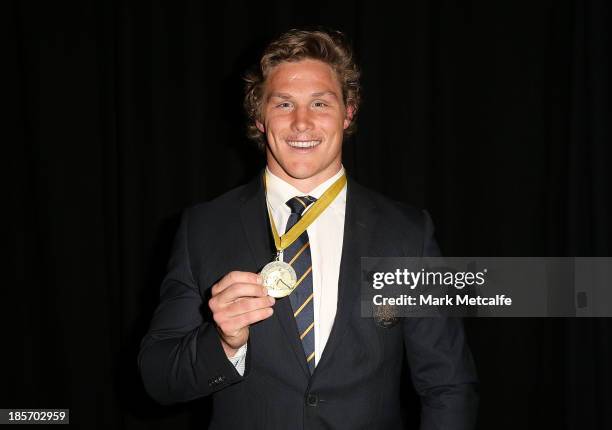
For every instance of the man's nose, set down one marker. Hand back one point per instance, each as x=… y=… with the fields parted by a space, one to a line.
x=302 y=119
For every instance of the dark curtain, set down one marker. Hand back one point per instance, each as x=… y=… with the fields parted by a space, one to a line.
x=493 y=115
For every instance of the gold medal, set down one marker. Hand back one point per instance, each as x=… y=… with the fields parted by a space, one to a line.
x=279 y=277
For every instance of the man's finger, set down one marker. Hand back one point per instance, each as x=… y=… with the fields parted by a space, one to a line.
x=246 y=305
x=249 y=318
x=233 y=278
x=236 y=291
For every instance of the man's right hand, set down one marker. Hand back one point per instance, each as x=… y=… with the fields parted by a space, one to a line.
x=238 y=300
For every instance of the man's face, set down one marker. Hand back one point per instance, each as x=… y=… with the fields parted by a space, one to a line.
x=304 y=118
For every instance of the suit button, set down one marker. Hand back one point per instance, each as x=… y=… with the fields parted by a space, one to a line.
x=312 y=400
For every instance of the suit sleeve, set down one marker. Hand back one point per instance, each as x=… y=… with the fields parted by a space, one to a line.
x=441 y=364
x=181 y=357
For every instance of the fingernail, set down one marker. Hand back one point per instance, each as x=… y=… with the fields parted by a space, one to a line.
x=272 y=300
x=259 y=279
x=265 y=291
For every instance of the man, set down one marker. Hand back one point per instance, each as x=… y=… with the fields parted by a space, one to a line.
x=307 y=360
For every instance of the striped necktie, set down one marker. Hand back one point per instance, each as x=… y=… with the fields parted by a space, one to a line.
x=298 y=256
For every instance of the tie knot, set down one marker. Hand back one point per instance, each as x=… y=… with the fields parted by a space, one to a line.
x=298 y=204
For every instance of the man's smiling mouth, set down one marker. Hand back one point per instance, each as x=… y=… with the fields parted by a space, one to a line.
x=303 y=143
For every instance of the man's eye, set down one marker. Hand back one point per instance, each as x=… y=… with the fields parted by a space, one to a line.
x=320 y=104
x=284 y=105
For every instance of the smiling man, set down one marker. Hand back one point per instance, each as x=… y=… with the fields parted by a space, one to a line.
x=260 y=308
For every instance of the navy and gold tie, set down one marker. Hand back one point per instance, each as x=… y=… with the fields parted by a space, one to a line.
x=298 y=256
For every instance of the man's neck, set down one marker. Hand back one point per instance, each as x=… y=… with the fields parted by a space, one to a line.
x=305 y=185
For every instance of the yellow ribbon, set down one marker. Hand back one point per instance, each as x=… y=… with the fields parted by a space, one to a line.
x=283 y=242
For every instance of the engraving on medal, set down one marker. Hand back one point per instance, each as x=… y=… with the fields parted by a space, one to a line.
x=279 y=278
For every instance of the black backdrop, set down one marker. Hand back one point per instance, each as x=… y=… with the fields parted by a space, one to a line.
x=493 y=115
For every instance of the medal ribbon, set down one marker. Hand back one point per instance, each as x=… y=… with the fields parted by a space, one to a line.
x=284 y=241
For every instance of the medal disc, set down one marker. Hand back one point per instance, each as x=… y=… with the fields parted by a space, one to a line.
x=279 y=278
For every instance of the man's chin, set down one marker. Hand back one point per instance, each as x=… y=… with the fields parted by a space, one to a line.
x=306 y=170
x=302 y=174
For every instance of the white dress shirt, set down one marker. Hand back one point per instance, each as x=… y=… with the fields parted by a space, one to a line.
x=326 y=234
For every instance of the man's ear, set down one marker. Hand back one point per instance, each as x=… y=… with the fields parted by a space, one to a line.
x=260 y=126
x=350 y=112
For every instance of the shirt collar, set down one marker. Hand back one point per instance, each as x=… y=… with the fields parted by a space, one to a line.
x=278 y=191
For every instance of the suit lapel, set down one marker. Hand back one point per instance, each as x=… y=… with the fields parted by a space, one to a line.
x=360 y=218
x=254 y=215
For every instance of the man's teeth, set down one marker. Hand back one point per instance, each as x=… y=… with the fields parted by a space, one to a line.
x=303 y=143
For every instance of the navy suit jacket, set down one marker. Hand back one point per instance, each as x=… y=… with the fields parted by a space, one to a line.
x=356 y=384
